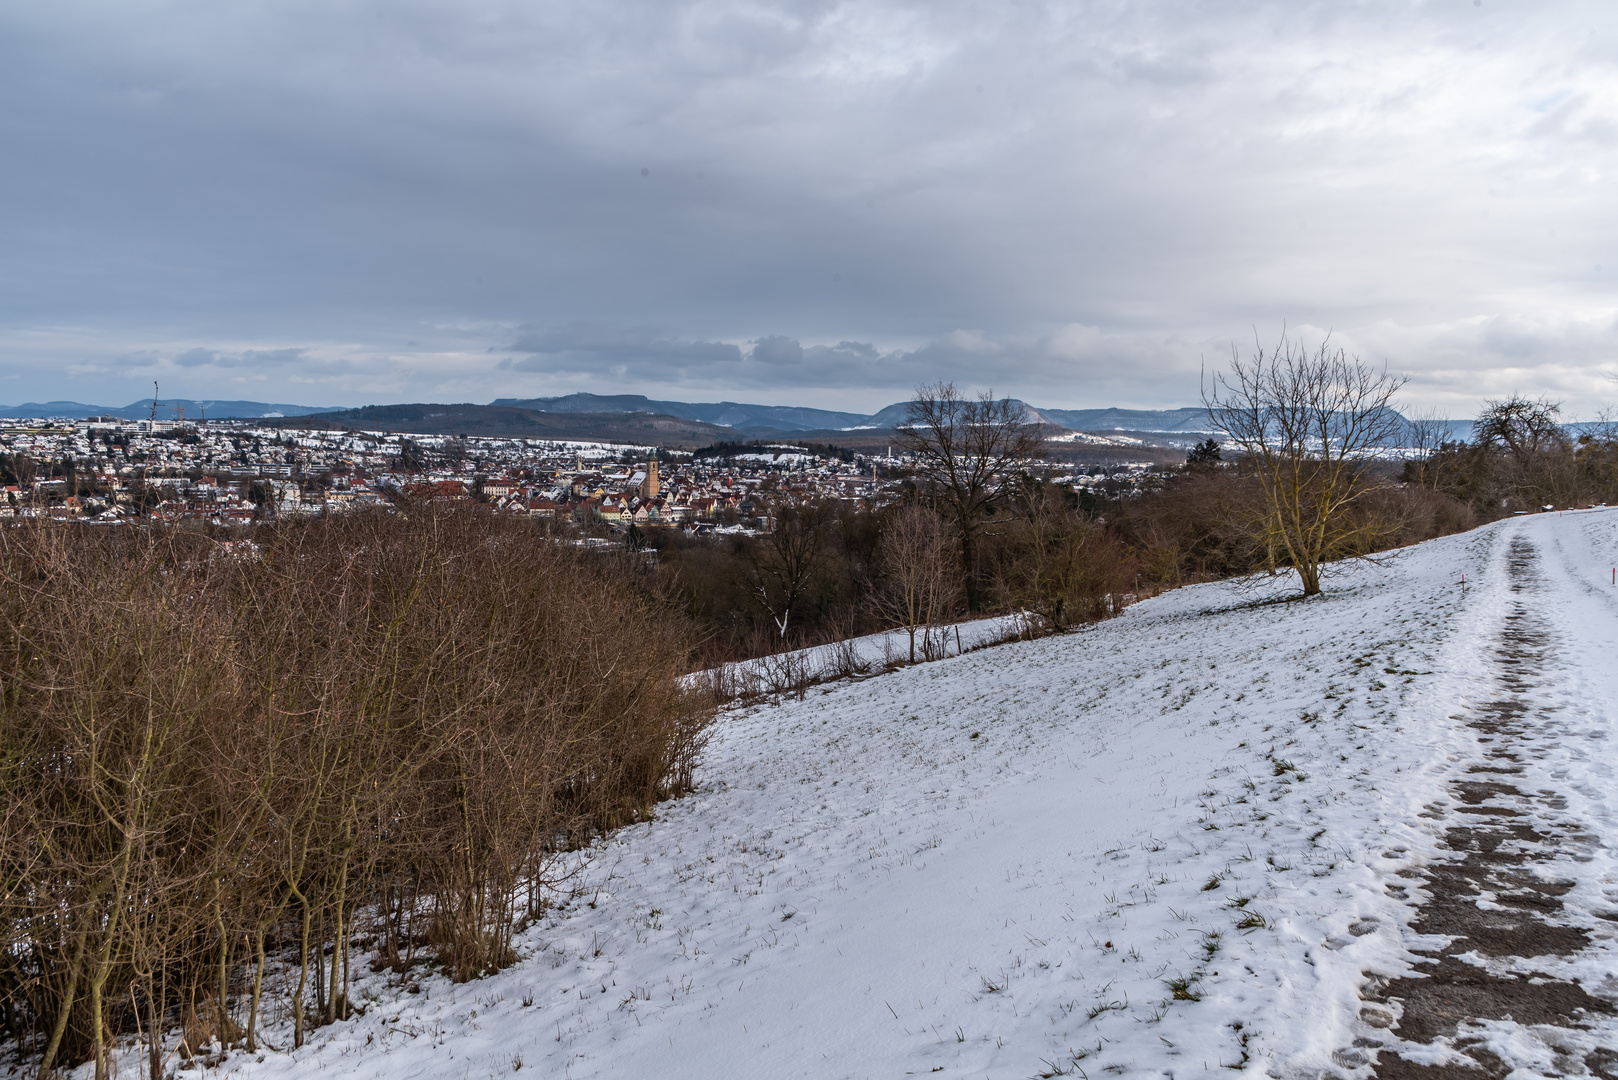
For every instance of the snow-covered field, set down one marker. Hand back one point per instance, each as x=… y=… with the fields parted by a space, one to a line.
x=1169 y=844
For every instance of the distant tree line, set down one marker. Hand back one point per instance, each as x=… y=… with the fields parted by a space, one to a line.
x=977 y=530
x=1314 y=464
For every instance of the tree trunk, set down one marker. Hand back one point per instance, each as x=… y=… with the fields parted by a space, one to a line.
x=66 y=1010
x=258 y=990
x=303 y=972
x=98 y=1042
x=969 y=567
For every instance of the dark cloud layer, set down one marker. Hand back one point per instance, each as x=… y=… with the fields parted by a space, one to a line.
x=800 y=200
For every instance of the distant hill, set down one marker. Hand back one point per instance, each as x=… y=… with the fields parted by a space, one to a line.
x=786 y=419
x=43 y=410
x=510 y=422
x=752 y=419
x=637 y=418
x=890 y=417
x=1135 y=420
x=1177 y=420
x=167 y=409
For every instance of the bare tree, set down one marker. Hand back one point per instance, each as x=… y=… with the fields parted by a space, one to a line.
x=1527 y=437
x=1310 y=424
x=966 y=449
x=918 y=588
x=1426 y=433
x=783 y=566
x=1520 y=426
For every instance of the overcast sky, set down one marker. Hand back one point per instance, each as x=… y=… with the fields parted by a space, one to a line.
x=350 y=201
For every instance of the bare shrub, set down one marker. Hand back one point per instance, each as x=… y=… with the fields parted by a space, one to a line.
x=918 y=585
x=1055 y=562
x=210 y=761
x=845 y=660
x=1421 y=512
x=784 y=673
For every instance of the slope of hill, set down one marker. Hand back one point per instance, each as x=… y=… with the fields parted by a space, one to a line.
x=501 y=421
x=731 y=414
x=1168 y=428
x=1210 y=834
x=167 y=409
x=1177 y=420
x=779 y=419
x=1136 y=420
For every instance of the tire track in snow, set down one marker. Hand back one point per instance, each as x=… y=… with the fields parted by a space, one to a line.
x=1489 y=1002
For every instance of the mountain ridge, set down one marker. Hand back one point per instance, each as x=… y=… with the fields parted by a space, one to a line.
x=788 y=419
x=727 y=418
x=746 y=418
x=166 y=409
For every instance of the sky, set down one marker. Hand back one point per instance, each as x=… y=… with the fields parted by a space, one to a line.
x=811 y=203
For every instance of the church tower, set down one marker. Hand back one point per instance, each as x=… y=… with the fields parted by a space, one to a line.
x=649 y=486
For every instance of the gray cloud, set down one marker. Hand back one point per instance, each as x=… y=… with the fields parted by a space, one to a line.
x=200 y=357
x=777 y=350
x=1122 y=366
x=616 y=354
x=1073 y=201
x=196 y=357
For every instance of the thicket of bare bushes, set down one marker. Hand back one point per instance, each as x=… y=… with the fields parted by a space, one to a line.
x=1522 y=457
x=1196 y=524
x=1056 y=561
x=842 y=572
x=218 y=761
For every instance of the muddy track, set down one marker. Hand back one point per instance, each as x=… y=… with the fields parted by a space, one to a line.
x=1495 y=899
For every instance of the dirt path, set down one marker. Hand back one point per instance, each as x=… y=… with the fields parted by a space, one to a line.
x=1500 y=899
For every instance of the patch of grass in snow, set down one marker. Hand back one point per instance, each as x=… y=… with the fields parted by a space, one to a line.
x=1250 y=921
x=1110 y=1006
x=1184 y=988
x=1052 y=1068
x=1242 y=1038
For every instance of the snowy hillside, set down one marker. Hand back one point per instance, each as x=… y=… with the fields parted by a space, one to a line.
x=1175 y=843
